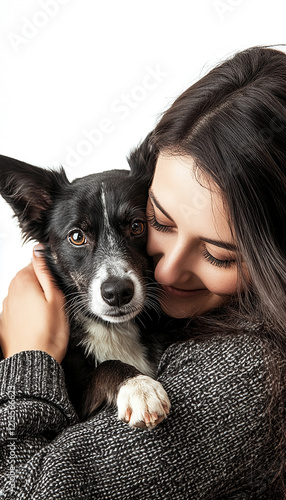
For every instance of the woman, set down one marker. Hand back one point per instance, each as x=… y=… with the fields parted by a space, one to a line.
x=216 y=211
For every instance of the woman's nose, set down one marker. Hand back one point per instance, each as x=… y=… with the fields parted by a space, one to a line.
x=174 y=265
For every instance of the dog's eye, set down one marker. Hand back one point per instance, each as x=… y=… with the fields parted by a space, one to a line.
x=137 y=227
x=77 y=238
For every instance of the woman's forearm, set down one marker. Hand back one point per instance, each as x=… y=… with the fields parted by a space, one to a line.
x=34 y=409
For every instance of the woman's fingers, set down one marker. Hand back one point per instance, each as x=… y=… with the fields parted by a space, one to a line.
x=50 y=290
x=33 y=316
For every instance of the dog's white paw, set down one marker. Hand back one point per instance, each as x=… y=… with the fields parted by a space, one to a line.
x=142 y=402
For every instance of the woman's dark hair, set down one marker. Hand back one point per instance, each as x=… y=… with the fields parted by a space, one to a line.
x=232 y=122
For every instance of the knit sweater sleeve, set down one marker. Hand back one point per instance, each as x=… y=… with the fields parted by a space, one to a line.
x=34 y=408
x=215 y=443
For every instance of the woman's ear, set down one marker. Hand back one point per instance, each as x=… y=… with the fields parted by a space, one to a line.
x=31 y=192
x=142 y=160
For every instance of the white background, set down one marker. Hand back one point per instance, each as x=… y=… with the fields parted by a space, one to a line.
x=75 y=69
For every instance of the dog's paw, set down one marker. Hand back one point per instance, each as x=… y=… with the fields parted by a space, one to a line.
x=142 y=402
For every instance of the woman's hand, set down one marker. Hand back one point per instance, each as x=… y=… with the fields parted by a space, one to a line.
x=33 y=316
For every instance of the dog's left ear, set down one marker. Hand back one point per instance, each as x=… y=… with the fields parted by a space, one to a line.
x=142 y=160
x=31 y=192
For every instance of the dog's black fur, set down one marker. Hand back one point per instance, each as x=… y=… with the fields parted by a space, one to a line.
x=94 y=234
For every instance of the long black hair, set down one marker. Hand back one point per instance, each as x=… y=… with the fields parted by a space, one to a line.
x=232 y=122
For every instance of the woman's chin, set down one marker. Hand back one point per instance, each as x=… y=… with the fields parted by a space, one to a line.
x=179 y=311
x=177 y=308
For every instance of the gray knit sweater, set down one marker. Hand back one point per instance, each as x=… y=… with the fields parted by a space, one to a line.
x=215 y=444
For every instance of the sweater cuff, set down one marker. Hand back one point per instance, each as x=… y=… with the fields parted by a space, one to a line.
x=36 y=375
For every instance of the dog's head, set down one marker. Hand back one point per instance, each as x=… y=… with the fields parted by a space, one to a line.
x=93 y=230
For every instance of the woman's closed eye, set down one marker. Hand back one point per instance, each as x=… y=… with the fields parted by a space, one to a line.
x=151 y=218
x=217 y=262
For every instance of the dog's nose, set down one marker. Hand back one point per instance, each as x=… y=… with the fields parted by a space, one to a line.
x=117 y=292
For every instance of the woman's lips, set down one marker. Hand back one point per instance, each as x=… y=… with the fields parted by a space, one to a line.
x=178 y=292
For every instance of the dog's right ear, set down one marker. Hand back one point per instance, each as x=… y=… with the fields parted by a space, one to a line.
x=142 y=160
x=30 y=191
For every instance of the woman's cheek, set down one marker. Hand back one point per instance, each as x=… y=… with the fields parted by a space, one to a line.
x=220 y=281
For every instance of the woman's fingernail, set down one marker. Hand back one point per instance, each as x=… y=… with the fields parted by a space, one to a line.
x=38 y=250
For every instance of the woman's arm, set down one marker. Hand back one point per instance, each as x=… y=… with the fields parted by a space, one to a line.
x=34 y=405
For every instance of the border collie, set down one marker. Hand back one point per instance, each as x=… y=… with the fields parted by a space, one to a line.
x=94 y=234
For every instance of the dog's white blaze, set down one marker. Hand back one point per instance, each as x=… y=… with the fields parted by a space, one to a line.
x=107 y=226
x=120 y=267
x=117 y=341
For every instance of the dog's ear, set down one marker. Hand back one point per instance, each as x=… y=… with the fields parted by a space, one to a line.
x=142 y=160
x=30 y=191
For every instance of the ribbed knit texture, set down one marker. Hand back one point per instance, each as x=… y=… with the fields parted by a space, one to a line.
x=215 y=444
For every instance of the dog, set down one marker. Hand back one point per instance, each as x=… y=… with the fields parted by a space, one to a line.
x=94 y=234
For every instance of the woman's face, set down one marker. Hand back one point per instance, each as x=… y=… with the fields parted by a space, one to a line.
x=189 y=239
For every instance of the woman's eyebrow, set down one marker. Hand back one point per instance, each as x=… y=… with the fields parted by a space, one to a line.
x=156 y=202
x=221 y=244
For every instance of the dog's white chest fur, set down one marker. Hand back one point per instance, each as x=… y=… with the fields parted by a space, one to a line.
x=116 y=341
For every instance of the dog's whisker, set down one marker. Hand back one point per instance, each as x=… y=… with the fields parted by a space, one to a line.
x=80 y=306
x=153 y=307
x=140 y=320
x=77 y=307
x=75 y=298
